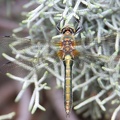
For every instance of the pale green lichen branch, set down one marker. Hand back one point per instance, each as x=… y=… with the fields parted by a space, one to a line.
x=7 y=116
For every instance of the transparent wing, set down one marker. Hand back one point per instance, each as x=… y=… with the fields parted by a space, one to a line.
x=103 y=45
x=23 y=53
x=27 y=52
x=14 y=49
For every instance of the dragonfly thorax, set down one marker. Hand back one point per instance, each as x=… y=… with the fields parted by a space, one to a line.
x=67 y=43
x=67 y=46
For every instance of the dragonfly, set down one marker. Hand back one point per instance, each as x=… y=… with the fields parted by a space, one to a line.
x=26 y=49
x=67 y=53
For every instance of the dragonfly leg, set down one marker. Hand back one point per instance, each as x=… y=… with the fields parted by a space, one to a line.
x=58 y=25
x=79 y=29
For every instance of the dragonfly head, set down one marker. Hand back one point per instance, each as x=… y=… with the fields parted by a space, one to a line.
x=68 y=29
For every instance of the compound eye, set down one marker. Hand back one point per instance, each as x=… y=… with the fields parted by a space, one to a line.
x=64 y=30
x=71 y=30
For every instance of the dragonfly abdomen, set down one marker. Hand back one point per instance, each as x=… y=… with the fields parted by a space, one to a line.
x=67 y=53
x=68 y=62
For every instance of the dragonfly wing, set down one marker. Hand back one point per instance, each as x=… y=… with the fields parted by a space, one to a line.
x=94 y=51
x=10 y=45
x=14 y=43
x=26 y=54
x=20 y=53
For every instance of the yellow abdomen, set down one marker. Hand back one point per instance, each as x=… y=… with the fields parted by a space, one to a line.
x=68 y=62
